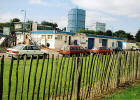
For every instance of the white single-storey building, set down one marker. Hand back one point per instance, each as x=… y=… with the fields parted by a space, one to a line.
x=128 y=45
x=57 y=39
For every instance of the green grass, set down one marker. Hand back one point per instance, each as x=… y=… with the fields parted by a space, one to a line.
x=89 y=75
x=138 y=44
x=13 y=85
x=127 y=94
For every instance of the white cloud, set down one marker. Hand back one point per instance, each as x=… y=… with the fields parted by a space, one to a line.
x=93 y=16
x=40 y=2
x=62 y=22
x=130 y=8
x=5 y=17
x=51 y=3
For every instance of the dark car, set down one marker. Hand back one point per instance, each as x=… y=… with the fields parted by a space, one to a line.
x=73 y=50
x=117 y=49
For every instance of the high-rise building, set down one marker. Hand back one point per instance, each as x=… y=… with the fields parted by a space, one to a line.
x=76 y=20
x=99 y=26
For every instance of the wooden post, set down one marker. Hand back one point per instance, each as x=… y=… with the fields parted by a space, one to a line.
x=118 y=70
x=66 y=77
x=35 y=77
x=78 y=78
x=56 y=66
x=58 y=77
x=17 y=77
x=72 y=65
x=1 y=76
x=44 y=56
x=85 y=60
x=50 y=78
x=44 y=90
x=30 y=70
x=137 y=56
x=62 y=76
x=74 y=68
x=10 y=76
x=23 y=75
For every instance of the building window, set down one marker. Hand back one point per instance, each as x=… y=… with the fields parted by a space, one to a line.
x=112 y=44
x=43 y=36
x=65 y=38
x=50 y=36
x=100 y=40
x=59 y=37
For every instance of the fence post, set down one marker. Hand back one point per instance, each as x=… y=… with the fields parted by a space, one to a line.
x=118 y=70
x=78 y=78
x=1 y=76
x=10 y=76
x=137 y=56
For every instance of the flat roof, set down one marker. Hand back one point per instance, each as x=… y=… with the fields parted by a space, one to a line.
x=72 y=33
x=52 y=32
x=107 y=37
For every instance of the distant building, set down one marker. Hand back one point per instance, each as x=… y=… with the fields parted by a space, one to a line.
x=99 y=26
x=76 y=20
x=34 y=26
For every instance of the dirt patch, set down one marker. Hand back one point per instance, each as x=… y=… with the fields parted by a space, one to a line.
x=118 y=89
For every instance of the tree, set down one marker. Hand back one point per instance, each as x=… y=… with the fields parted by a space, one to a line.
x=15 y=20
x=121 y=34
x=64 y=29
x=108 y=33
x=29 y=25
x=129 y=36
x=99 y=33
x=45 y=23
x=53 y=25
x=138 y=36
x=87 y=31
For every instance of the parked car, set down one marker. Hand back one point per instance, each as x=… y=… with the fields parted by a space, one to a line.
x=117 y=49
x=21 y=50
x=102 y=50
x=73 y=49
x=135 y=48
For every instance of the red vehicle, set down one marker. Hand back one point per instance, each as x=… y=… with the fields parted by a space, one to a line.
x=102 y=50
x=73 y=49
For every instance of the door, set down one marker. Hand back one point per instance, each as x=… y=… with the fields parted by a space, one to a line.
x=69 y=40
x=120 y=44
x=75 y=42
x=104 y=42
x=90 y=43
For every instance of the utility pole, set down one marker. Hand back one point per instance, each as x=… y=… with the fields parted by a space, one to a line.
x=24 y=25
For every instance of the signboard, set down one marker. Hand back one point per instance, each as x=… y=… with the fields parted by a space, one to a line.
x=18 y=26
x=82 y=40
x=6 y=30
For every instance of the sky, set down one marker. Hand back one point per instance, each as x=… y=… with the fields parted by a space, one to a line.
x=117 y=14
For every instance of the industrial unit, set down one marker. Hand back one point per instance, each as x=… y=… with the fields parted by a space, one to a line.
x=57 y=39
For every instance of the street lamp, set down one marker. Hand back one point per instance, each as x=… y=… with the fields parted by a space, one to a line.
x=24 y=25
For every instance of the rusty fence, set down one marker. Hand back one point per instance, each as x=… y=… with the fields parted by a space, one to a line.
x=66 y=78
